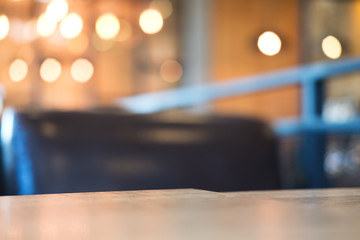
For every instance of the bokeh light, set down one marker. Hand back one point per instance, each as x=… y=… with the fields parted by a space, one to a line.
x=4 y=26
x=163 y=6
x=82 y=70
x=57 y=10
x=171 y=71
x=18 y=70
x=107 y=26
x=331 y=47
x=44 y=26
x=151 y=21
x=71 y=26
x=50 y=70
x=269 y=43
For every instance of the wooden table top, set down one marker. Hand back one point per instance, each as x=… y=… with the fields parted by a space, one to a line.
x=183 y=214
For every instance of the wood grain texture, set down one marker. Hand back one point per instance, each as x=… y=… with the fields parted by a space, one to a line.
x=183 y=214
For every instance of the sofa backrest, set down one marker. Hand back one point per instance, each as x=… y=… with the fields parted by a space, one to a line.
x=58 y=152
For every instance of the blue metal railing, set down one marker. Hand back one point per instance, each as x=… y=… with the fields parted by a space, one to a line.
x=193 y=95
x=309 y=77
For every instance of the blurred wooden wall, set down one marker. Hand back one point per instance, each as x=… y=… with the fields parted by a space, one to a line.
x=235 y=28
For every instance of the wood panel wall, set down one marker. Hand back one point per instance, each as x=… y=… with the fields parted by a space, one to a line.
x=236 y=26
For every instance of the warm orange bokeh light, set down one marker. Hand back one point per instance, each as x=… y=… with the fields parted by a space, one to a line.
x=18 y=70
x=171 y=71
x=151 y=21
x=107 y=26
x=50 y=70
x=45 y=27
x=82 y=70
x=4 y=26
x=71 y=26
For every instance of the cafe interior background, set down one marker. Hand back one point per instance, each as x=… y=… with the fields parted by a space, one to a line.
x=74 y=55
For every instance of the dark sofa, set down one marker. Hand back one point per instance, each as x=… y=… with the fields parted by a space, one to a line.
x=61 y=152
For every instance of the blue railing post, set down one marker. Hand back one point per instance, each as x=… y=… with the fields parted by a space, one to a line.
x=309 y=99
x=313 y=147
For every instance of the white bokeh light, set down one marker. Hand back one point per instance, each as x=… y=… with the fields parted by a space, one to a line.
x=4 y=26
x=151 y=21
x=82 y=70
x=18 y=70
x=107 y=26
x=269 y=43
x=331 y=47
x=50 y=70
x=45 y=27
x=57 y=10
x=71 y=26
